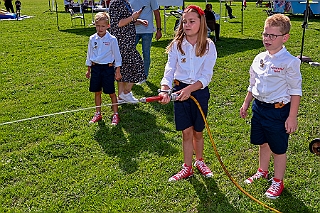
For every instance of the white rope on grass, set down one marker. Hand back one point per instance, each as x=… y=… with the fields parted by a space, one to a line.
x=57 y=113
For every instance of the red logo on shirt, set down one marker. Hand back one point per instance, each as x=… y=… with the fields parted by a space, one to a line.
x=277 y=69
x=106 y=43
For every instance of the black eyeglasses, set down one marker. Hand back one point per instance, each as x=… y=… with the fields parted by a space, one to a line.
x=271 y=36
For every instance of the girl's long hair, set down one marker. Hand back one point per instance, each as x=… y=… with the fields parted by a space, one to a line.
x=202 y=41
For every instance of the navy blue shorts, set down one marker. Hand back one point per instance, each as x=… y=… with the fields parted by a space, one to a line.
x=102 y=77
x=268 y=126
x=187 y=113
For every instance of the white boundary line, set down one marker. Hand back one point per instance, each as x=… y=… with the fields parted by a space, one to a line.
x=57 y=113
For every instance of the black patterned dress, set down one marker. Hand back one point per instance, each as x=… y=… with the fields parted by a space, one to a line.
x=132 y=69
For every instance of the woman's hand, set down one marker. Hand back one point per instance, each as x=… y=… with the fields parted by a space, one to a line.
x=136 y=14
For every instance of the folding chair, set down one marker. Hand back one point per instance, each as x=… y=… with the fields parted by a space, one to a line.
x=178 y=15
x=77 y=15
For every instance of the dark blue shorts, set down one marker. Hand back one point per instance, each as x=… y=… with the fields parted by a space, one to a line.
x=268 y=126
x=102 y=77
x=187 y=113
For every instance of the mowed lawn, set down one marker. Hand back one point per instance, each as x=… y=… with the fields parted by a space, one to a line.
x=60 y=163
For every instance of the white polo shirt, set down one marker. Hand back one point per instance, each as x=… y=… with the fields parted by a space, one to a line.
x=103 y=50
x=188 y=68
x=274 y=78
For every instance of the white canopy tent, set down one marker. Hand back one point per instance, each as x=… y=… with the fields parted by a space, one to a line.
x=170 y=2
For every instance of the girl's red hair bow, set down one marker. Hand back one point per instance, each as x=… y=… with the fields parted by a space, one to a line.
x=197 y=8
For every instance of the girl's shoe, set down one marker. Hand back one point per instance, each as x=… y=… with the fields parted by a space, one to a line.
x=259 y=174
x=202 y=167
x=275 y=189
x=184 y=173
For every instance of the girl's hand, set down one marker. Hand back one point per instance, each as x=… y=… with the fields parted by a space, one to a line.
x=165 y=98
x=183 y=94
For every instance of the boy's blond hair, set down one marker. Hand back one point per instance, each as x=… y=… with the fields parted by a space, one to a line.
x=102 y=16
x=279 y=20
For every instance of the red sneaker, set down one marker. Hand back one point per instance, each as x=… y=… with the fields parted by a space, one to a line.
x=275 y=189
x=259 y=174
x=97 y=117
x=184 y=173
x=115 y=119
x=202 y=167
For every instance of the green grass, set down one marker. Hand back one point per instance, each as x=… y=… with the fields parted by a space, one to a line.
x=63 y=164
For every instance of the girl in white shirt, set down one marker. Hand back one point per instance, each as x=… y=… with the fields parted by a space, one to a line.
x=191 y=58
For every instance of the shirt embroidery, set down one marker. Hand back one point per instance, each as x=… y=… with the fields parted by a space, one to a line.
x=95 y=45
x=277 y=69
x=261 y=63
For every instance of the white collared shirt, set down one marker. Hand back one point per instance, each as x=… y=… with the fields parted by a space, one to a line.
x=103 y=50
x=188 y=68
x=274 y=78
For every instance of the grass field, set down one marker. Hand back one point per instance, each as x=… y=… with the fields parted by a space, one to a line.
x=62 y=164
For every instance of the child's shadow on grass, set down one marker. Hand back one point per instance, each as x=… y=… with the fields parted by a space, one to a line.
x=167 y=109
x=133 y=137
x=211 y=199
x=288 y=203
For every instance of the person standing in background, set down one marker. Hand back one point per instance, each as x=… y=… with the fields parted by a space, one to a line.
x=18 y=7
x=211 y=21
x=8 y=5
x=145 y=33
x=122 y=26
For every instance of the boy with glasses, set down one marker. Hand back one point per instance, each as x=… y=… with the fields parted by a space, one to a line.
x=275 y=86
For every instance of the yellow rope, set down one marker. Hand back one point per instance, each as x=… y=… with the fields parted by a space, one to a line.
x=222 y=165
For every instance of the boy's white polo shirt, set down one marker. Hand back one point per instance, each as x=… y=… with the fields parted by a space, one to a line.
x=274 y=78
x=103 y=50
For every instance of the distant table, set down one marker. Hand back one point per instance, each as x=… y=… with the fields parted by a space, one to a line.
x=100 y=9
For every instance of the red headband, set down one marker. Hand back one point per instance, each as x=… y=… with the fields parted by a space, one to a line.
x=197 y=8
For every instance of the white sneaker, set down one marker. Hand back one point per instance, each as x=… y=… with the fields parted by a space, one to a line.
x=120 y=101
x=129 y=98
x=259 y=174
x=135 y=100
